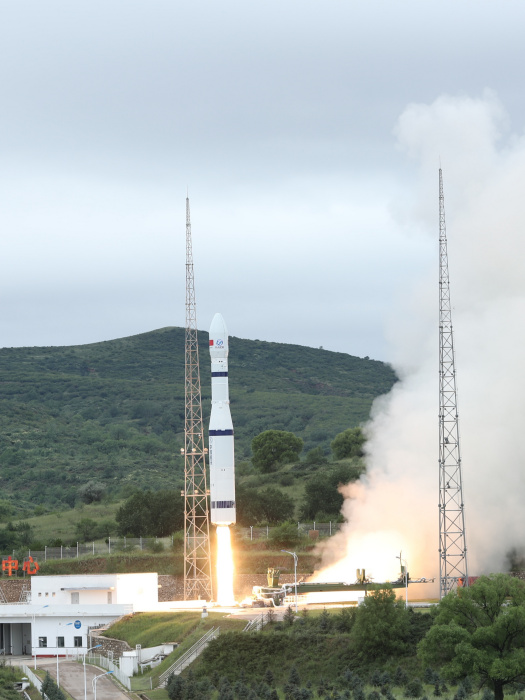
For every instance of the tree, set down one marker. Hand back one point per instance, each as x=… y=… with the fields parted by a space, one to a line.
x=7 y=510
x=151 y=514
x=268 y=677
x=91 y=492
x=321 y=494
x=414 y=688
x=274 y=447
x=294 y=678
x=381 y=626
x=51 y=690
x=316 y=456
x=289 y=616
x=480 y=630
x=269 y=505
x=175 y=687
x=285 y=535
x=376 y=678
x=349 y=443
x=85 y=529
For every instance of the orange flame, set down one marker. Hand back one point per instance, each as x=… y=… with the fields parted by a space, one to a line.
x=224 y=566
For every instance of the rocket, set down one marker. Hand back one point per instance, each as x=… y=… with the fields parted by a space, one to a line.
x=222 y=470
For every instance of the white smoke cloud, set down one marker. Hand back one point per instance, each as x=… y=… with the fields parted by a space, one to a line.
x=484 y=172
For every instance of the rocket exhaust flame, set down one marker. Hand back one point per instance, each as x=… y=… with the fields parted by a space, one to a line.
x=224 y=566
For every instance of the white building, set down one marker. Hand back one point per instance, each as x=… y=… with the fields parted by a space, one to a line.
x=63 y=609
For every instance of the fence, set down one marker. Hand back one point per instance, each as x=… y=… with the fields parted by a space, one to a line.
x=258 y=533
x=256 y=624
x=189 y=656
x=106 y=663
x=35 y=680
x=109 y=546
x=114 y=545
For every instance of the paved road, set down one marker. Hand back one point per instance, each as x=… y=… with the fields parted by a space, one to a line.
x=72 y=679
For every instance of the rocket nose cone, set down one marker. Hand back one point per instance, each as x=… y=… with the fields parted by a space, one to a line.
x=218 y=327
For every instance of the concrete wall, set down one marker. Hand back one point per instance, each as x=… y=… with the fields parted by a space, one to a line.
x=57 y=590
x=96 y=589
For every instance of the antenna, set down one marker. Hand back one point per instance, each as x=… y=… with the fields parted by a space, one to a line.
x=197 y=569
x=452 y=541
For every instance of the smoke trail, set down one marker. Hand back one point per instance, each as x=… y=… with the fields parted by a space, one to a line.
x=396 y=506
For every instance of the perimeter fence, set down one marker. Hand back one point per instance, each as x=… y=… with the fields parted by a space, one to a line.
x=114 y=545
x=320 y=530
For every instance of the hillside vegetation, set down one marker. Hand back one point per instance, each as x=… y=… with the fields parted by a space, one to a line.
x=113 y=412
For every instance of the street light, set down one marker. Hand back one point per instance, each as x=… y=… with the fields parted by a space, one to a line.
x=33 y=627
x=94 y=682
x=404 y=570
x=85 y=682
x=294 y=555
x=58 y=675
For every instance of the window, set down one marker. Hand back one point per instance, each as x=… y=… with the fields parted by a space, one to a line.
x=42 y=641
x=77 y=641
x=110 y=597
x=60 y=641
x=75 y=598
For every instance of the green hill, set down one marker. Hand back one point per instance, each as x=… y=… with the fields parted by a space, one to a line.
x=114 y=411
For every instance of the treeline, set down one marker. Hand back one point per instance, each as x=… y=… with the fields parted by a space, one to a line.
x=259 y=498
x=471 y=641
x=114 y=411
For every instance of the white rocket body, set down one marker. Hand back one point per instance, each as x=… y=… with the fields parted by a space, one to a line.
x=222 y=470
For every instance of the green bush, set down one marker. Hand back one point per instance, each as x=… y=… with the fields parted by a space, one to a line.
x=274 y=447
x=349 y=443
x=285 y=535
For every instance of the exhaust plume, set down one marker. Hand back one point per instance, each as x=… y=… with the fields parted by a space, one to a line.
x=395 y=507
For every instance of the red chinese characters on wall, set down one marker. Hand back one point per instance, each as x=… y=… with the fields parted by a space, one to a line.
x=10 y=566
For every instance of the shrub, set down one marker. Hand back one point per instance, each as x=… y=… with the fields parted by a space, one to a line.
x=414 y=688
x=285 y=535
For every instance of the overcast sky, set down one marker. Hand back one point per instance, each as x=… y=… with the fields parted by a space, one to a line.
x=314 y=215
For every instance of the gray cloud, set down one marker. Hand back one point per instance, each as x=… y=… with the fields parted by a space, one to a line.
x=278 y=117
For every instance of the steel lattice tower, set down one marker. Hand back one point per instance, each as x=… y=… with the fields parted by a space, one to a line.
x=197 y=569
x=452 y=542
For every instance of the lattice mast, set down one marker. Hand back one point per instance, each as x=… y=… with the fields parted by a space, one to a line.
x=452 y=542
x=197 y=560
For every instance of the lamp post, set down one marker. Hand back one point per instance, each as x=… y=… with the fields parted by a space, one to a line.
x=58 y=673
x=33 y=626
x=294 y=555
x=94 y=683
x=85 y=682
x=404 y=570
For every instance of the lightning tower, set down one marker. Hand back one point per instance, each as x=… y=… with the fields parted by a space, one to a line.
x=452 y=542
x=197 y=560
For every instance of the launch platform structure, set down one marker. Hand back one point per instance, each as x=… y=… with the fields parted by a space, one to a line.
x=452 y=540
x=197 y=559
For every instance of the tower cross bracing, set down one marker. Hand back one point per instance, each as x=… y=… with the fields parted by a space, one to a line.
x=197 y=560
x=452 y=540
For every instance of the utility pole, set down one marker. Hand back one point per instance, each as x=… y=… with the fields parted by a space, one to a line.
x=452 y=541
x=197 y=560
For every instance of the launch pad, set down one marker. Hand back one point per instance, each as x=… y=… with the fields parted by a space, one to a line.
x=274 y=595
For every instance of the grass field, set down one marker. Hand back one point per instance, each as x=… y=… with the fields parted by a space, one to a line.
x=61 y=524
x=152 y=629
